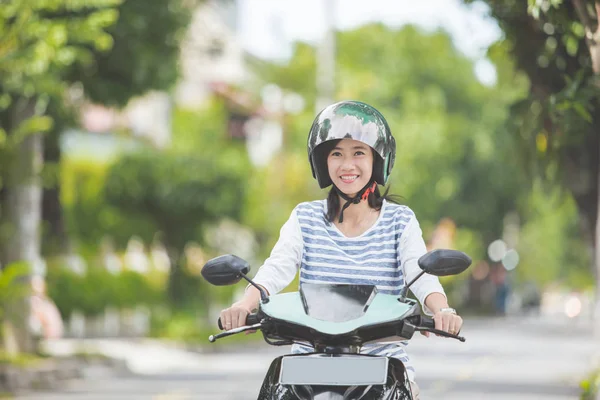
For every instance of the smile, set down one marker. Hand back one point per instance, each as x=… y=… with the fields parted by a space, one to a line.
x=348 y=178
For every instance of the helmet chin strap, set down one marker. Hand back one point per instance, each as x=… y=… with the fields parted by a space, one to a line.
x=362 y=194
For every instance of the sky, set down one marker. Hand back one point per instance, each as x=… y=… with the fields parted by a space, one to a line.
x=268 y=27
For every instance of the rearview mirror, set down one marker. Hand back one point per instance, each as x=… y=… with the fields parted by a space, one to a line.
x=225 y=270
x=443 y=262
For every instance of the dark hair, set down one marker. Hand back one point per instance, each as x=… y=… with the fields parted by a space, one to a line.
x=375 y=201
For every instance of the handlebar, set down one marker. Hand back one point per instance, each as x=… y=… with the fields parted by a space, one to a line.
x=427 y=322
x=420 y=323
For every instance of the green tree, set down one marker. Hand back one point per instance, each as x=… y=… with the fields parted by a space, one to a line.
x=143 y=57
x=556 y=44
x=180 y=193
x=39 y=41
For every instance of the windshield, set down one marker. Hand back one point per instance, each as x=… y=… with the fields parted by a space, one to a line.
x=336 y=302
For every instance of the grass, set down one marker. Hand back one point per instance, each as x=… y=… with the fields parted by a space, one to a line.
x=187 y=328
x=21 y=360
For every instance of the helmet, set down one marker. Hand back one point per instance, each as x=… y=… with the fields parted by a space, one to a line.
x=351 y=120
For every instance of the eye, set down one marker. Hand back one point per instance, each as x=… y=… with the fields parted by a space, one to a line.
x=335 y=154
x=359 y=153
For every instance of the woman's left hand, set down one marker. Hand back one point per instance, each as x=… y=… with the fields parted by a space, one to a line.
x=448 y=321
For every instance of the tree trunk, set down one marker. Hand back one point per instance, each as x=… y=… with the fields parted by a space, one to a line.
x=55 y=238
x=593 y=43
x=595 y=50
x=21 y=210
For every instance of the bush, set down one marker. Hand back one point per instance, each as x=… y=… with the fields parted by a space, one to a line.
x=89 y=217
x=98 y=289
x=590 y=386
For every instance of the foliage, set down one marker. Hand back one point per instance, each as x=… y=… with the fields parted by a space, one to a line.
x=89 y=217
x=13 y=286
x=552 y=221
x=590 y=386
x=556 y=123
x=177 y=192
x=98 y=289
x=180 y=194
x=189 y=327
x=41 y=39
x=38 y=42
x=144 y=55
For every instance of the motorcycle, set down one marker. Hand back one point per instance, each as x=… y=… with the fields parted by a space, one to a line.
x=336 y=320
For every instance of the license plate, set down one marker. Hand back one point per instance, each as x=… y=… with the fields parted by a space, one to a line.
x=337 y=371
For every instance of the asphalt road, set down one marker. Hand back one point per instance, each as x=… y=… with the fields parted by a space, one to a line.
x=513 y=358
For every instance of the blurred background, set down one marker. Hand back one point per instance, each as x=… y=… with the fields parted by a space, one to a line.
x=138 y=139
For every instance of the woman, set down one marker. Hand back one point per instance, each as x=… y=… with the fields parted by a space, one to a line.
x=366 y=240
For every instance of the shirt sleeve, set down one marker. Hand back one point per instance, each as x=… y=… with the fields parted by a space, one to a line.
x=280 y=269
x=412 y=247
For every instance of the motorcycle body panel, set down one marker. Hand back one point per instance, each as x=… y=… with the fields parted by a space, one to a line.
x=333 y=319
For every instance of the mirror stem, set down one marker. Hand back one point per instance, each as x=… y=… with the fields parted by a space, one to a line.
x=263 y=294
x=404 y=291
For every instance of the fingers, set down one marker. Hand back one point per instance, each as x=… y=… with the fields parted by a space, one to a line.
x=448 y=322
x=439 y=321
x=241 y=317
x=233 y=317
x=455 y=324
x=226 y=319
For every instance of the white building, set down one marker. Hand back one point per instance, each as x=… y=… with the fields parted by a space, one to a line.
x=211 y=53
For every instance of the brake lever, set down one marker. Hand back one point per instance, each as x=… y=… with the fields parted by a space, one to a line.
x=213 y=338
x=442 y=333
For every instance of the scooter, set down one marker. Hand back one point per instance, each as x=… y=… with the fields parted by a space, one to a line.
x=336 y=320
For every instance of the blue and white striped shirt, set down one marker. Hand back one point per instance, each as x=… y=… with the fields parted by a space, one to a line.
x=384 y=255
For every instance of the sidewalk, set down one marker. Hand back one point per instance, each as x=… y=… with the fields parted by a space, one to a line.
x=51 y=372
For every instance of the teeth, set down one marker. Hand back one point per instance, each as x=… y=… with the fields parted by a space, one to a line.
x=349 y=177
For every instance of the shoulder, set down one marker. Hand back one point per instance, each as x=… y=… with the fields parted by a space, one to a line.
x=398 y=213
x=316 y=207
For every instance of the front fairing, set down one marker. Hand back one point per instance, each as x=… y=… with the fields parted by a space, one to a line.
x=335 y=314
x=397 y=386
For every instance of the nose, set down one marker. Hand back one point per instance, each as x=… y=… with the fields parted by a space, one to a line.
x=347 y=164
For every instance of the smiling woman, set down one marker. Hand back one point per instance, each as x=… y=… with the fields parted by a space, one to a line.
x=367 y=241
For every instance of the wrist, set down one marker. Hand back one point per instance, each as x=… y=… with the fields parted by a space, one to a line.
x=447 y=310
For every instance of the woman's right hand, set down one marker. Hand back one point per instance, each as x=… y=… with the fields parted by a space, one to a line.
x=235 y=316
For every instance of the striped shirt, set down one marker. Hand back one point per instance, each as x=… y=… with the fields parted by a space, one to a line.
x=385 y=255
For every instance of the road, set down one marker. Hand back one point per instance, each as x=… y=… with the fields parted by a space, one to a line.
x=513 y=358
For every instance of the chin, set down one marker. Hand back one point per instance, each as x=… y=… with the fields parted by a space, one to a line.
x=350 y=192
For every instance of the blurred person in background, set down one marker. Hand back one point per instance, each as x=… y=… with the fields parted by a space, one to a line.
x=355 y=236
x=46 y=319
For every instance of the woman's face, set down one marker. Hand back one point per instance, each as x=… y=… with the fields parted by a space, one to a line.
x=350 y=166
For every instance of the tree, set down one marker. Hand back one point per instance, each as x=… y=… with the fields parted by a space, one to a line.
x=38 y=43
x=144 y=56
x=557 y=45
x=180 y=193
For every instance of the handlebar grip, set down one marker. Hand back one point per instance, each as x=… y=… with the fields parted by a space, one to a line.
x=251 y=319
x=427 y=322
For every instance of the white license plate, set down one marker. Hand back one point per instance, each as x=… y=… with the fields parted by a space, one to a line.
x=337 y=371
